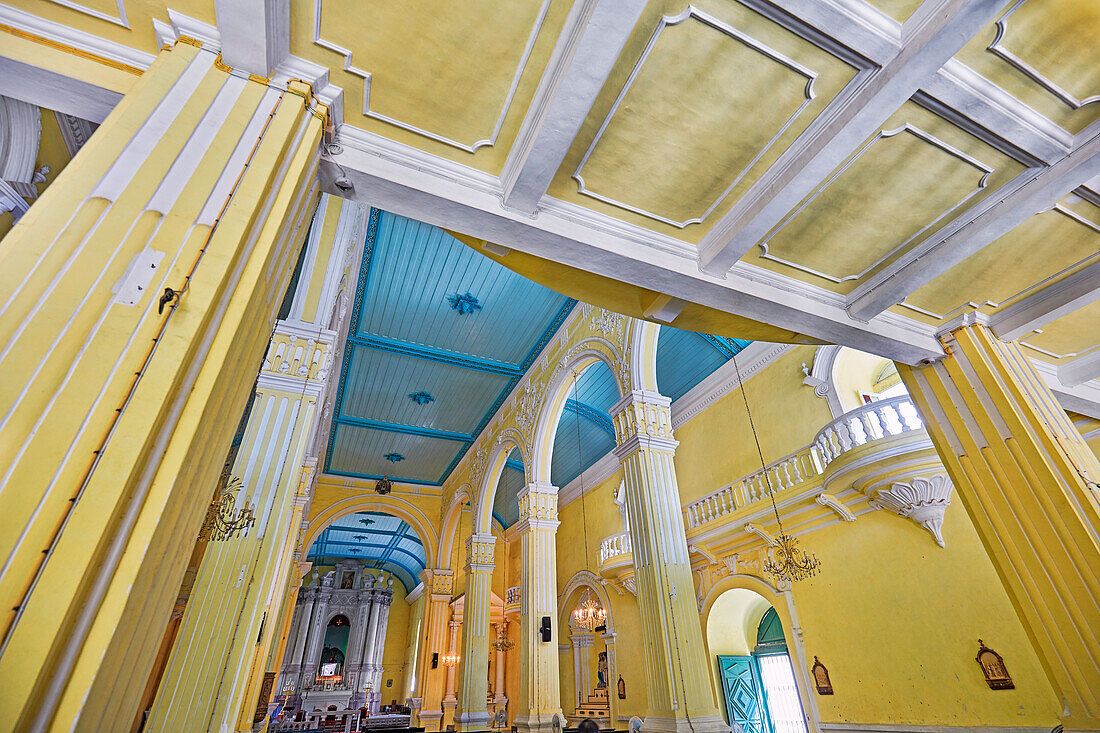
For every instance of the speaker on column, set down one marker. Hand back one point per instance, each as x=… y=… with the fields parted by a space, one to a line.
x=544 y=630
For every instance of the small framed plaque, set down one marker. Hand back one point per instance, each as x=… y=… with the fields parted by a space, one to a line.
x=993 y=667
x=821 y=678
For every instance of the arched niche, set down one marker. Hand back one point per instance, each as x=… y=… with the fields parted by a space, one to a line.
x=388 y=504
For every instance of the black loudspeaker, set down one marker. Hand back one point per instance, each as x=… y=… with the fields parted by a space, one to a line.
x=435 y=660
x=544 y=630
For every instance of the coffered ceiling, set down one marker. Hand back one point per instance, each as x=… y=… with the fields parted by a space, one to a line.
x=863 y=173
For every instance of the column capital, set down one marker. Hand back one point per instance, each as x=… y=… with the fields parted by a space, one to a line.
x=538 y=506
x=440 y=581
x=480 y=551
x=643 y=421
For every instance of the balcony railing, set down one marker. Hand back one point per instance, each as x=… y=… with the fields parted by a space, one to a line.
x=860 y=426
x=615 y=545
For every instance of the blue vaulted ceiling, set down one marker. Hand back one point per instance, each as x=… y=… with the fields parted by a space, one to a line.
x=379 y=540
x=439 y=336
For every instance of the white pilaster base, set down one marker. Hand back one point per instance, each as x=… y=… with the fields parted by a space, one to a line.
x=430 y=719
x=702 y=724
x=478 y=720
x=538 y=723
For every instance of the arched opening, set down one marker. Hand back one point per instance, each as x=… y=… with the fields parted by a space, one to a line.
x=861 y=378
x=755 y=679
x=352 y=625
x=686 y=358
x=588 y=673
x=584 y=432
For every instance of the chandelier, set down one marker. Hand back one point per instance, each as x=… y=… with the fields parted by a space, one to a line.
x=503 y=643
x=589 y=615
x=451 y=660
x=221 y=522
x=786 y=560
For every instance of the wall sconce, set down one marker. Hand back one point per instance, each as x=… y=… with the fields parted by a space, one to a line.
x=451 y=660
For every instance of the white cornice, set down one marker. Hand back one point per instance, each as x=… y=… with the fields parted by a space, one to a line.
x=69 y=36
x=752 y=359
x=591 y=477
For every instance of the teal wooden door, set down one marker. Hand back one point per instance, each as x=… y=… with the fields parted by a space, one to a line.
x=741 y=690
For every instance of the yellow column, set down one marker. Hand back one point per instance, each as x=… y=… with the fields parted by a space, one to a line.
x=678 y=683
x=473 y=712
x=437 y=614
x=296 y=576
x=116 y=409
x=1029 y=483
x=539 y=688
x=207 y=683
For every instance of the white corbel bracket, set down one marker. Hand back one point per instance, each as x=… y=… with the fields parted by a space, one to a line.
x=833 y=503
x=763 y=534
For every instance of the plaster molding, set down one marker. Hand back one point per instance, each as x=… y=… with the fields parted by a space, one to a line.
x=983 y=180
x=586 y=51
x=74 y=38
x=668 y=21
x=1083 y=398
x=932 y=36
x=491 y=139
x=74 y=131
x=763 y=534
x=590 y=478
x=831 y=501
x=1048 y=304
x=924 y=500
x=754 y=358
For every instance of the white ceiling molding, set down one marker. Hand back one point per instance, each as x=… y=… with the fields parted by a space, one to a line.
x=589 y=45
x=1081 y=369
x=748 y=41
x=20 y=134
x=822 y=377
x=473 y=147
x=1081 y=398
x=849 y=24
x=983 y=169
x=119 y=19
x=78 y=39
x=752 y=359
x=1048 y=304
x=999 y=49
x=74 y=131
x=1027 y=194
x=937 y=30
x=412 y=183
x=255 y=33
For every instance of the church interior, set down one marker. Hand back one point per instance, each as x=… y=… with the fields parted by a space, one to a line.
x=649 y=365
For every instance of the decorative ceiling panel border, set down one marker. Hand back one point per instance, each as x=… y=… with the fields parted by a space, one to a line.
x=911 y=129
x=1033 y=288
x=668 y=21
x=366 y=76
x=121 y=19
x=997 y=48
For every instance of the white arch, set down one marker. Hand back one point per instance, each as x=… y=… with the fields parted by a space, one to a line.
x=580 y=357
x=508 y=440
x=584 y=579
x=643 y=355
x=389 y=504
x=449 y=527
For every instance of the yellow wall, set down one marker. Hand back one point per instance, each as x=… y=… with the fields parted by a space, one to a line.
x=395 y=650
x=854 y=373
x=716 y=447
x=897 y=619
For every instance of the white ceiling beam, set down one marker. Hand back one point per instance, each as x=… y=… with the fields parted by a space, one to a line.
x=51 y=90
x=1027 y=194
x=935 y=33
x=1049 y=304
x=255 y=34
x=1081 y=369
x=399 y=178
x=589 y=45
x=1082 y=398
x=854 y=24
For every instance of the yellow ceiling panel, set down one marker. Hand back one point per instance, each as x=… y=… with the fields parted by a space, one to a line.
x=700 y=101
x=1044 y=52
x=1072 y=334
x=449 y=78
x=1047 y=246
x=911 y=178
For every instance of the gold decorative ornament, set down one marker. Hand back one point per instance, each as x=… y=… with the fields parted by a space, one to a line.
x=502 y=643
x=221 y=522
x=384 y=485
x=993 y=667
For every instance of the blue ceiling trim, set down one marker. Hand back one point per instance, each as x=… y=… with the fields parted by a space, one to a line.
x=437 y=355
x=377 y=476
x=361 y=422
x=728 y=347
x=513 y=464
x=548 y=334
x=601 y=419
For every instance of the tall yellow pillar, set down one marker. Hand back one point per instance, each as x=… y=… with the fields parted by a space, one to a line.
x=539 y=688
x=207 y=683
x=1029 y=483
x=679 y=689
x=473 y=712
x=437 y=614
x=118 y=408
